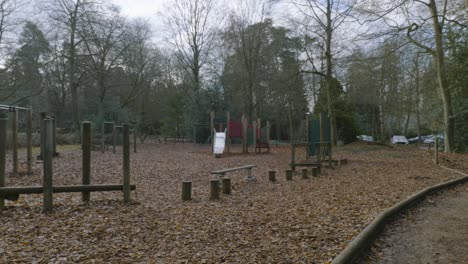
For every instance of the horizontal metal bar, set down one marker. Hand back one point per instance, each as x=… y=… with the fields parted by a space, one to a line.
x=6 y=191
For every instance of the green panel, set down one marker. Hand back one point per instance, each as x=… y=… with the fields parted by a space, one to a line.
x=314 y=131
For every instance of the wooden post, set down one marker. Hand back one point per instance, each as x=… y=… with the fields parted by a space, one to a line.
x=29 y=140
x=305 y=173
x=186 y=190
x=54 y=137
x=436 y=151
x=289 y=175
x=42 y=140
x=226 y=185
x=212 y=130
x=214 y=189
x=134 y=139
x=319 y=169
x=254 y=125
x=268 y=132
x=314 y=171
x=272 y=176
x=245 y=143
x=293 y=156
x=14 y=135
x=114 y=137
x=86 y=158
x=47 y=164
x=228 y=138
x=102 y=137
x=3 y=140
x=307 y=136
x=126 y=163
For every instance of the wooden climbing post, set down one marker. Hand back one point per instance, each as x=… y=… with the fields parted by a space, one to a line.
x=186 y=190
x=126 y=163
x=54 y=137
x=48 y=144
x=14 y=134
x=86 y=158
x=42 y=140
x=245 y=148
x=3 y=140
x=29 y=140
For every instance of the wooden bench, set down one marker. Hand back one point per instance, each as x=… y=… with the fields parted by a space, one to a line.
x=221 y=173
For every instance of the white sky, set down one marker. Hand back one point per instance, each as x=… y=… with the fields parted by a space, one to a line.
x=140 y=8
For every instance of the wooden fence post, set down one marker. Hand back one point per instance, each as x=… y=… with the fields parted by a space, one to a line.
x=114 y=137
x=47 y=164
x=42 y=135
x=228 y=138
x=54 y=137
x=14 y=135
x=214 y=189
x=186 y=190
x=3 y=140
x=29 y=140
x=86 y=158
x=254 y=132
x=126 y=163
x=134 y=139
x=272 y=176
x=212 y=130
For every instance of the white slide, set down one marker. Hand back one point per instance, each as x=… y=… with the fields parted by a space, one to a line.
x=219 y=142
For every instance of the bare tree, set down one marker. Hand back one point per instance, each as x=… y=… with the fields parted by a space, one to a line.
x=417 y=25
x=327 y=16
x=68 y=15
x=191 y=29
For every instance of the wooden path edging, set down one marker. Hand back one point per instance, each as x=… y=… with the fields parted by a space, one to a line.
x=371 y=232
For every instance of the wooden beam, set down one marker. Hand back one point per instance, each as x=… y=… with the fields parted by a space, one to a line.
x=29 y=141
x=3 y=140
x=86 y=158
x=47 y=164
x=126 y=163
x=6 y=191
x=14 y=135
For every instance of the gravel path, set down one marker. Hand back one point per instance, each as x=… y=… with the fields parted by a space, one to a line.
x=434 y=232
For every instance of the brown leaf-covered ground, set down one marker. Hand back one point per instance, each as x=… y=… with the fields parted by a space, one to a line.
x=303 y=221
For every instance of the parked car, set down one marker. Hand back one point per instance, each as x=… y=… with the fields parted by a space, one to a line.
x=413 y=140
x=430 y=139
x=399 y=140
x=366 y=138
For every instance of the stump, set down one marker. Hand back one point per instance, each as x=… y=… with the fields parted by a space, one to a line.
x=226 y=185
x=315 y=171
x=186 y=190
x=305 y=173
x=289 y=175
x=272 y=176
x=214 y=189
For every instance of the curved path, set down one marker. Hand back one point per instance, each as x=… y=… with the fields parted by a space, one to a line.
x=436 y=231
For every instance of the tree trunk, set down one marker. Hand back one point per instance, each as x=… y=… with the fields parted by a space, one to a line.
x=418 y=118
x=328 y=58
x=442 y=78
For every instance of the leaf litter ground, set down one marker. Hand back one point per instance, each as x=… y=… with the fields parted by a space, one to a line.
x=303 y=221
